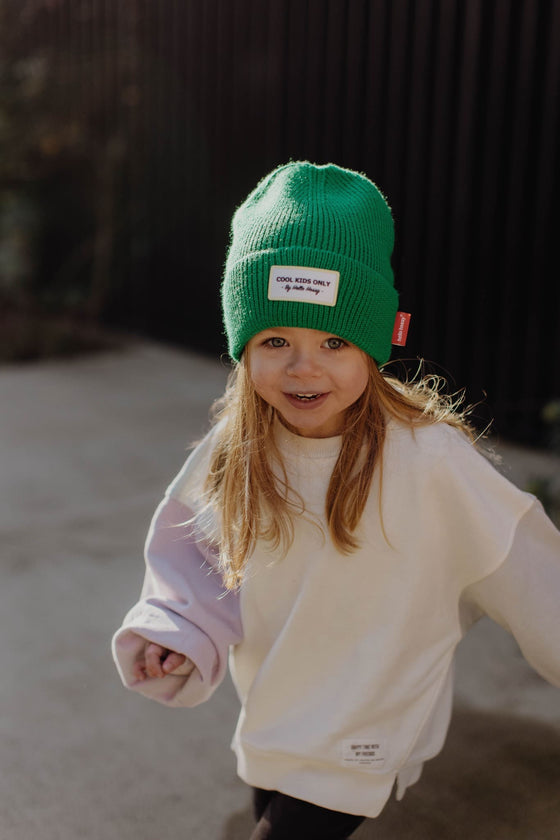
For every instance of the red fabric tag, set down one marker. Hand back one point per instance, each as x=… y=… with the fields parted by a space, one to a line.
x=400 y=330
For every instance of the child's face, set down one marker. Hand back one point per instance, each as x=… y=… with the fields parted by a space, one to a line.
x=309 y=377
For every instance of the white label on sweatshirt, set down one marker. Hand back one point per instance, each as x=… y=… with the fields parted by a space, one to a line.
x=362 y=753
x=297 y=282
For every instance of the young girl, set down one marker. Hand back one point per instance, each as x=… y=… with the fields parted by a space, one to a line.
x=336 y=532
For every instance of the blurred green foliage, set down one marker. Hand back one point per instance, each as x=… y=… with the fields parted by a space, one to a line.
x=551 y=417
x=62 y=145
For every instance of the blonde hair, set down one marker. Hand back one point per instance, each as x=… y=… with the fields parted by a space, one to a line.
x=253 y=501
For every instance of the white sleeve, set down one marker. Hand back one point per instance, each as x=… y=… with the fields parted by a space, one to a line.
x=523 y=594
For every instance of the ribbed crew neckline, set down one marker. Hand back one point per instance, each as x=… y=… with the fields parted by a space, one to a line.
x=305 y=447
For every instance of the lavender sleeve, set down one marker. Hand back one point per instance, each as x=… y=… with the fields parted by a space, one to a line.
x=183 y=607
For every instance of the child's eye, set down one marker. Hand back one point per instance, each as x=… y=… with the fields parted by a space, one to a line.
x=275 y=341
x=335 y=343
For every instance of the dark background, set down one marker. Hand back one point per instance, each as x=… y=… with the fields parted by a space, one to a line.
x=129 y=132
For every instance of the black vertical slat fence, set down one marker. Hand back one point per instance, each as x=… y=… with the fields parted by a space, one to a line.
x=451 y=106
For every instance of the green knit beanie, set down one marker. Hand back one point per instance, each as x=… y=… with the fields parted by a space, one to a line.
x=311 y=247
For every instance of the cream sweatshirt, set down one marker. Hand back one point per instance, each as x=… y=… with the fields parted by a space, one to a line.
x=343 y=663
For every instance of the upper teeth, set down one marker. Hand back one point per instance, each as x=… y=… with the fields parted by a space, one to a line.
x=306 y=396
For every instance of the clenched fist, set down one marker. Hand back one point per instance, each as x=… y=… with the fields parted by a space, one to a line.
x=158 y=661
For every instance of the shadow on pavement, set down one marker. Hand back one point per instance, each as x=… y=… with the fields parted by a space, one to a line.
x=497 y=778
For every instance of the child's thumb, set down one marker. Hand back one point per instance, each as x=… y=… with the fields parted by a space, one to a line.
x=173 y=661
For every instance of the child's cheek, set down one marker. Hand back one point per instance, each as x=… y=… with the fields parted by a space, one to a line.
x=259 y=382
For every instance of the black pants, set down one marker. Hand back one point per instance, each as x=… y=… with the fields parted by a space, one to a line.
x=281 y=817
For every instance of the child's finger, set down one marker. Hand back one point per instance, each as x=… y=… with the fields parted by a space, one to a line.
x=173 y=660
x=154 y=655
x=138 y=671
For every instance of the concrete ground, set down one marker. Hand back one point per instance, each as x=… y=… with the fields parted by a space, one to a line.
x=88 y=447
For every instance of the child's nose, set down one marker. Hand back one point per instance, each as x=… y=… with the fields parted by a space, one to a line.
x=303 y=363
